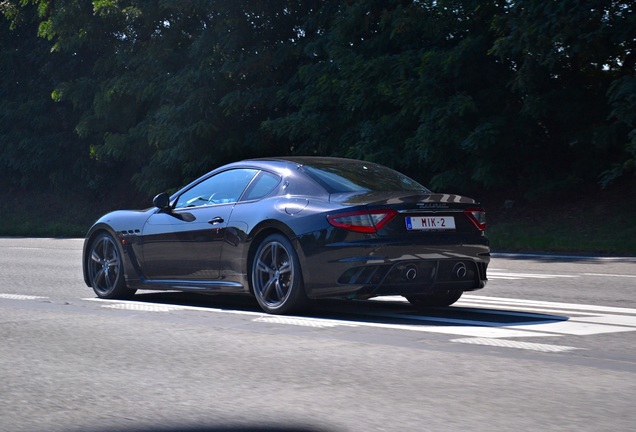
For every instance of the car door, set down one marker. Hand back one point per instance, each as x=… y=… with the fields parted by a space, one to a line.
x=186 y=243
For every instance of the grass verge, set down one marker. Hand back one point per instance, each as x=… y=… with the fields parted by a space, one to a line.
x=598 y=222
x=616 y=238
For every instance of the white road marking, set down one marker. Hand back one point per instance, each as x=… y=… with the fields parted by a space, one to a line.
x=519 y=318
x=498 y=274
x=178 y=307
x=468 y=330
x=515 y=344
x=145 y=307
x=619 y=320
x=550 y=257
x=543 y=305
x=579 y=328
x=610 y=275
x=21 y=297
x=305 y=322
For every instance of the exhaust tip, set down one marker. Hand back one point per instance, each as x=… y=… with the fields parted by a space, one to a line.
x=410 y=272
x=459 y=271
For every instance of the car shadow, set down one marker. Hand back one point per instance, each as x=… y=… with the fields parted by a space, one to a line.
x=368 y=311
x=396 y=312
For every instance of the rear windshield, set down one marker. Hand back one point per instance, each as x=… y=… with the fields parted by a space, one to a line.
x=360 y=177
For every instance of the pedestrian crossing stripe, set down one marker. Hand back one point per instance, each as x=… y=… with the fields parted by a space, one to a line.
x=504 y=274
x=515 y=344
x=486 y=317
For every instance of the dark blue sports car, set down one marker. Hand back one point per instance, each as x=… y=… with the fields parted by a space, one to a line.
x=291 y=229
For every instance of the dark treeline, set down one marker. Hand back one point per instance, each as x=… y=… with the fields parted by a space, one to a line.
x=527 y=97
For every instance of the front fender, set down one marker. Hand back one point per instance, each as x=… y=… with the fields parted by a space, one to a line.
x=125 y=227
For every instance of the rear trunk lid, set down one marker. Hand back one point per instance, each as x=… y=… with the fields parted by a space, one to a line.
x=420 y=213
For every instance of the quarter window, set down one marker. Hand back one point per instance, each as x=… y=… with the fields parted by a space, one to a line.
x=263 y=184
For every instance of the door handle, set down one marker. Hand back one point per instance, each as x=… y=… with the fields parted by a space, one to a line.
x=216 y=220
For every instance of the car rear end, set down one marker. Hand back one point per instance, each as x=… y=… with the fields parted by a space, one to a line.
x=420 y=244
x=386 y=234
x=403 y=245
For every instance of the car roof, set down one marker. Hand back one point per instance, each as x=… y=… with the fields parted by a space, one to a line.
x=314 y=159
x=308 y=160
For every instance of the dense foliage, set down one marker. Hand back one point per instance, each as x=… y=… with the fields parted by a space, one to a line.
x=531 y=97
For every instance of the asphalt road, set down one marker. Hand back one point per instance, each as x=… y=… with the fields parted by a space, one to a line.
x=549 y=344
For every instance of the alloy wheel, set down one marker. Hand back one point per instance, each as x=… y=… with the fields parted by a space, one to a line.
x=105 y=267
x=276 y=278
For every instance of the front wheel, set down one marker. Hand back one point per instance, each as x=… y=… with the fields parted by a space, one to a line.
x=106 y=269
x=276 y=277
x=440 y=299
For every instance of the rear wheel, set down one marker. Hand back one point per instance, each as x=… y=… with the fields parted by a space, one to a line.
x=106 y=269
x=440 y=299
x=276 y=277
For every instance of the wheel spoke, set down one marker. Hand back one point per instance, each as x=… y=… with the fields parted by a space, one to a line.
x=286 y=267
x=263 y=268
x=109 y=282
x=114 y=266
x=95 y=257
x=105 y=245
x=98 y=277
x=274 y=248
x=267 y=288
x=113 y=253
x=279 y=290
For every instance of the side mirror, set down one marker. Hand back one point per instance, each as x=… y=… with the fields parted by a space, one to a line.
x=162 y=201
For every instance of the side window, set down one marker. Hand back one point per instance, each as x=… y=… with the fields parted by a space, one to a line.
x=262 y=185
x=223 y=188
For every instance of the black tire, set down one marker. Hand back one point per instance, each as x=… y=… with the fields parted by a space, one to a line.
x=276 y=276
x=106 y=269
x=441 y=299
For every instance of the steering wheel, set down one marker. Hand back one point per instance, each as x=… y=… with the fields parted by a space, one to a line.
x=211 y=200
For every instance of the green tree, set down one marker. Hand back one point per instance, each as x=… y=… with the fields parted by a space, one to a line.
x=169 y=90
x=408 y=84
x=574 y=79
x=38 y=147
x=533 y=96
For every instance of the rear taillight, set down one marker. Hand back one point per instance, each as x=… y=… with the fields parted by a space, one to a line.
x=478 y=217
x=364 y=221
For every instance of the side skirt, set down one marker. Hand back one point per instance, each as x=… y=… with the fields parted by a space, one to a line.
x=219 y=287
